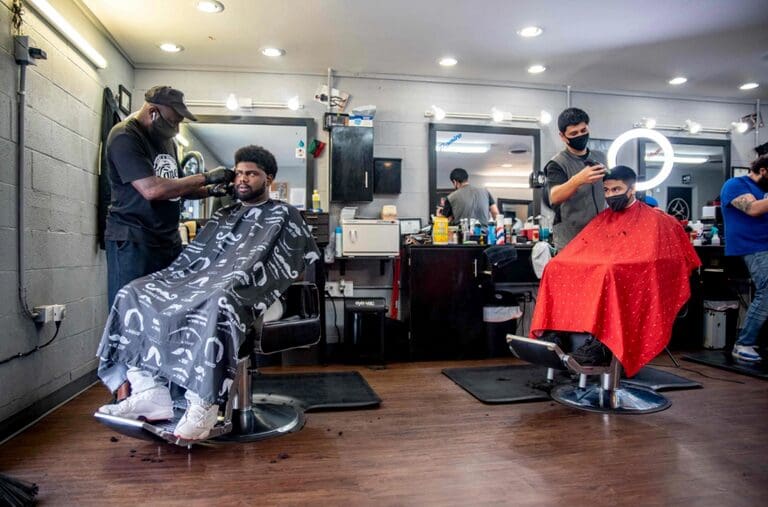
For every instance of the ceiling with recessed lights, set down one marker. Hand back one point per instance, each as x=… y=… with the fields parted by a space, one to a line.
x=592 y=44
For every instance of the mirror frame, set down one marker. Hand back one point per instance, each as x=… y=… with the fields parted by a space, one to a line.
x=309 y=123
x=723 y=143
x=434 y=128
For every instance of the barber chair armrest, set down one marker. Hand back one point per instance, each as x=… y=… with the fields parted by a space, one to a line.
x=300 y=325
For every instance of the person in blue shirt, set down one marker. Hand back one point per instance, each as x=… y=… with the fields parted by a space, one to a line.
x=745 y=211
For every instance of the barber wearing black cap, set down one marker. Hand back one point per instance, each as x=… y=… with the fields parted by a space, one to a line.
x=142 y=231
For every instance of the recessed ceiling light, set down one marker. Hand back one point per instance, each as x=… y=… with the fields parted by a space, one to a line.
x=210 y=6
x=170 y=47
x=678 y=80
x=748 y=86
x=530 y=31
x=448 y=61
x=536 y=69
x=273 y=52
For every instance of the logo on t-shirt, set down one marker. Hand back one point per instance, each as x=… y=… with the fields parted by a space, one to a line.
x=165 y=167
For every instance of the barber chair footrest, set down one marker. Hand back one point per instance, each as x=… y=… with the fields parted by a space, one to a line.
x=269 y=416
x=624 y=400
x=158 y=430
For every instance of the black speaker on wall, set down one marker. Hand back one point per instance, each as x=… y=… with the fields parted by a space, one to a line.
x=386 y=175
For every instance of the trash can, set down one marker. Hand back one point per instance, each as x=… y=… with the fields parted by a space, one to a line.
x=715 y=320
x=364 y=330
x=500 y=315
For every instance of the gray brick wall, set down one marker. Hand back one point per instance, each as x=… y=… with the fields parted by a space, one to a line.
x=64 y=263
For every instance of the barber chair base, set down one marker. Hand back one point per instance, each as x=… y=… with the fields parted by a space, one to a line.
x=158 y=430
x=624 y=400
x=270 y=416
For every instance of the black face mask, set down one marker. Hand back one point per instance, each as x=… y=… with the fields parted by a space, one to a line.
x=618 y=202
x=579 y=143
x=162 y=127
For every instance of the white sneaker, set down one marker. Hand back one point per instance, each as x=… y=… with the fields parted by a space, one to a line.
x=197 y=422
x=746 y=353
x=154 y=404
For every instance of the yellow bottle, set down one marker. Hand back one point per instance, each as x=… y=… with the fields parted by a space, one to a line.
x=440 y=231
x=316 y=200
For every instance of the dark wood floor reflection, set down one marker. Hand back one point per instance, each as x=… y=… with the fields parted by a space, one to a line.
x=430 y=443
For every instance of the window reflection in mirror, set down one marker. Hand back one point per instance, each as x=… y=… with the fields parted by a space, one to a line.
x=217 y=138
x=499 y=159
x=700 y=168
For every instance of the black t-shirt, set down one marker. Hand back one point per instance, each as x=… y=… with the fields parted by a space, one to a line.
x=556 y=176
x=132 y=155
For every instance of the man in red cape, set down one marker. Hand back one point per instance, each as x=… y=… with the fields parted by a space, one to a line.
x=622 y=279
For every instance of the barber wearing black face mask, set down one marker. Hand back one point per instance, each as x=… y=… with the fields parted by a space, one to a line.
x=142 y=227
x=574 y=178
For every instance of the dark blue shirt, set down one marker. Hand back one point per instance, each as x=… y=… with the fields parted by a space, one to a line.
x=743 y=234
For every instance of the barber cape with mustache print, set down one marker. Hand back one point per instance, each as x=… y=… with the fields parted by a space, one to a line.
x=186 y=323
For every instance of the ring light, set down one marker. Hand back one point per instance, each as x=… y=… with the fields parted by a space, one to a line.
x=658 y=138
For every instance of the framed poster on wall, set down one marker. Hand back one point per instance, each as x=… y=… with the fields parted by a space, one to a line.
x=124 y=100
x=737 y=171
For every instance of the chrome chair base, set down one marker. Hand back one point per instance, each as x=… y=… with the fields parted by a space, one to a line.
x=269 y=416
x=161 y=431
x=625 y=399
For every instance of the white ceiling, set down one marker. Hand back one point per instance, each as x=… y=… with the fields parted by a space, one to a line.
x=588 y=44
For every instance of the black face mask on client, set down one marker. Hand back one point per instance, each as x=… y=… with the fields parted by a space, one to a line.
x=162 y=127
x=618 y=202
x=579 y=143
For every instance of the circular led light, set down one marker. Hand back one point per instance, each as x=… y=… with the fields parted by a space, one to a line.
x=545 y=117
x=294 y=104
x=530 y=31
x=170 y=47
x=210 y=6
x=658 y=138
x=678 y=80
x=273 y=52
x=740 y=126
x=536 y=69
x=497 y=115
x=748 y=86
x=448 y=61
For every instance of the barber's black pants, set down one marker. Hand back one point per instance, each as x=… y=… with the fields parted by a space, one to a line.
x=127 y=261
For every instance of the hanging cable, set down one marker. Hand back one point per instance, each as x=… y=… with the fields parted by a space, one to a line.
x=32 y=351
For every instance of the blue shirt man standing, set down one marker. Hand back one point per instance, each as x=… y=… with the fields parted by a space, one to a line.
x=745 y=211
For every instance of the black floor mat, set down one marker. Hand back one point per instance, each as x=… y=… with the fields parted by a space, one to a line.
x=724 y=361
x=526 y=383
x=320 y=391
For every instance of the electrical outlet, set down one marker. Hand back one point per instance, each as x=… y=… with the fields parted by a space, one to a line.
x=59 y=312
x=44 y=314
x=347 y=289
x=332 y=288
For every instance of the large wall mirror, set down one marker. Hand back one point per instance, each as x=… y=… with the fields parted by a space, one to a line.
x=700 y=168
x=500 y=159
x=217 y=138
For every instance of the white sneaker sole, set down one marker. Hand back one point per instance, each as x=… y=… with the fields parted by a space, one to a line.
x=157 y=414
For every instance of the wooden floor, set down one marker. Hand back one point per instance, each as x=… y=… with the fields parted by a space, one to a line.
x=430 y=443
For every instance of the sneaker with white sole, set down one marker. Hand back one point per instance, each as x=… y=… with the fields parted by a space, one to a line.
x=154 y=404
x=746 y=353
x=197 y=422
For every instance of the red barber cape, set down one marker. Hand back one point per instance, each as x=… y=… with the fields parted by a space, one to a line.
x=623 y=279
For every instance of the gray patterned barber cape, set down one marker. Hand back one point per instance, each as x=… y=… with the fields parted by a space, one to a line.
x=186 y=323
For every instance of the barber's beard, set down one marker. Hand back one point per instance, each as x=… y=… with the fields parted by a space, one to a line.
x=763 y=183
x=252 y=195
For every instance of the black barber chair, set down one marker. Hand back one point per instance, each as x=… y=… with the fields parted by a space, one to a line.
x=609 y=395
x=249 y=416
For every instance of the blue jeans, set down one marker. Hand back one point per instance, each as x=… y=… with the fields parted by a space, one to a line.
x=127 y=261
x=757 y=263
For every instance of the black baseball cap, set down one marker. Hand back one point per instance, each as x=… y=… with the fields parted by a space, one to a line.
x=171 y=97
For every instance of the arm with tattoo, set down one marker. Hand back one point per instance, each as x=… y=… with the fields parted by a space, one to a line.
x=749 y=205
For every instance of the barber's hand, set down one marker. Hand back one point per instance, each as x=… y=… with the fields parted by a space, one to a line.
x=220 y=190
x=219 y=175
x=591 y=174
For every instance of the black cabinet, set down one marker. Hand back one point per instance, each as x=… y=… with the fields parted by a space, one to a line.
x=443 y=298
x=351 y=164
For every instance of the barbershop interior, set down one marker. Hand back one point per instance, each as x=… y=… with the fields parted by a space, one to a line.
x=406 y=253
